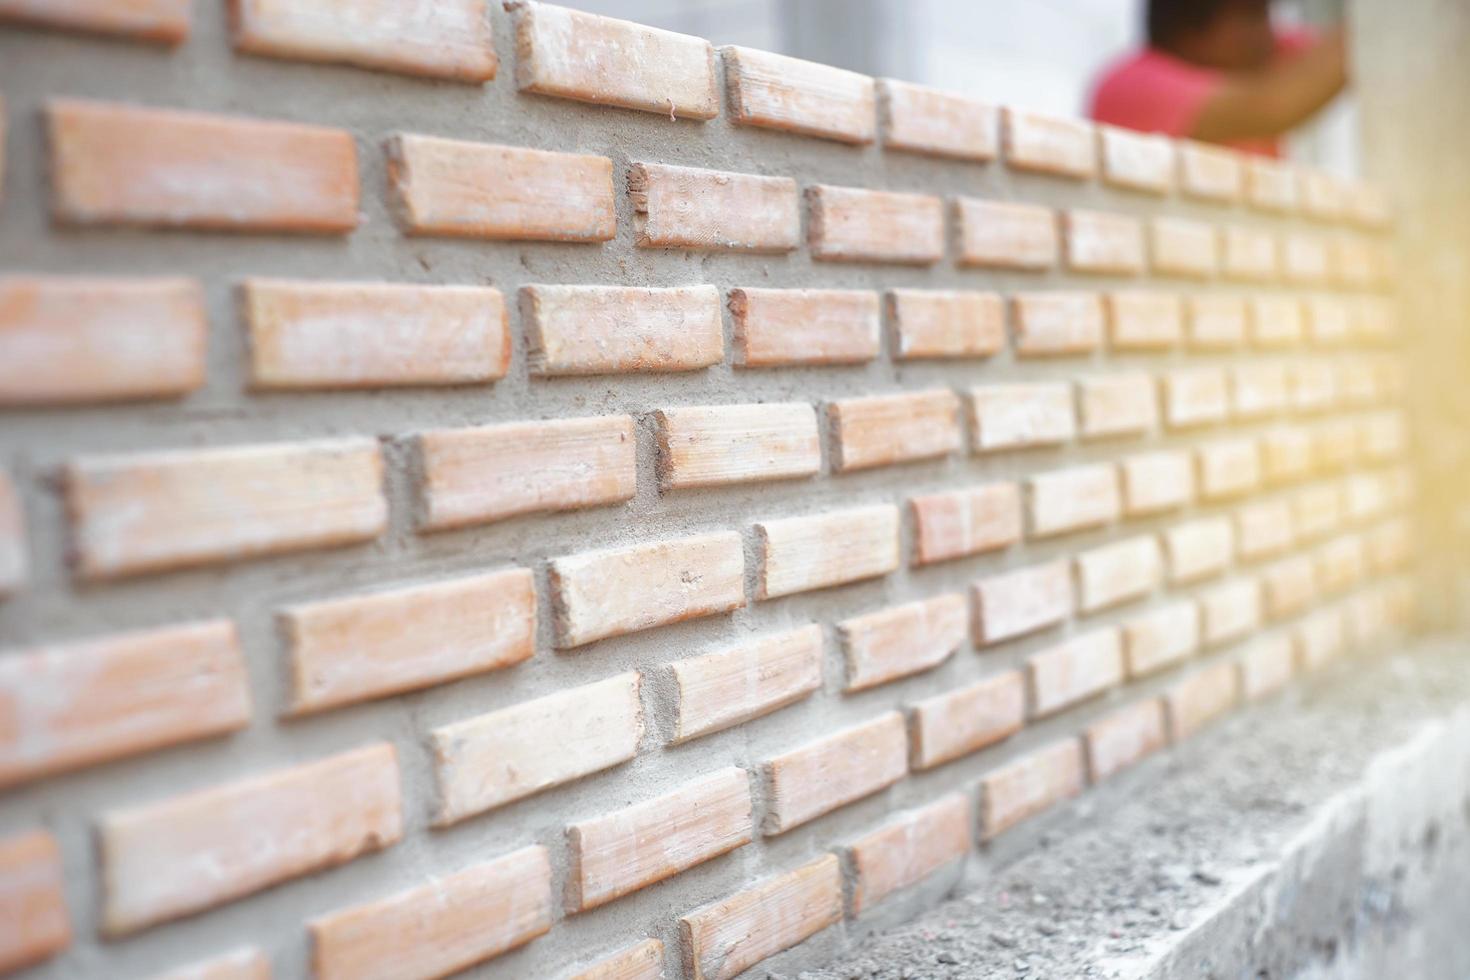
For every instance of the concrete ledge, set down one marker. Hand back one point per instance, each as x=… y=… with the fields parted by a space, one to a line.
x=1360 y=892
x=1322 y=835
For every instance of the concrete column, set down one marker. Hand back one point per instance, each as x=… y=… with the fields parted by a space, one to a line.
x=1411 y=66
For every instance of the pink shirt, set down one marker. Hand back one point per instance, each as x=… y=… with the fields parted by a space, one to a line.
x=1156 y=92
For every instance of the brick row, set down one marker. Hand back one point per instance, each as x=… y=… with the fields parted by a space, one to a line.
x=71 y=340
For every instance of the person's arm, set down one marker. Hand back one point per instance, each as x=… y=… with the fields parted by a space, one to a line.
x=1273 y=100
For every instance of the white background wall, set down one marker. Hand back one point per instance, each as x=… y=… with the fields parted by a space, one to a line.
x=1042 y=54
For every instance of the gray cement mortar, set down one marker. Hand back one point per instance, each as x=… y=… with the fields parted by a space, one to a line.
x=1324 y=836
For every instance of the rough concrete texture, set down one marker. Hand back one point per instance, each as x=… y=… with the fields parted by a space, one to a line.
x=1320 y=837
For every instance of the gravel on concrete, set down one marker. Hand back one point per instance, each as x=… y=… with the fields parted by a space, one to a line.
x=1226 y=800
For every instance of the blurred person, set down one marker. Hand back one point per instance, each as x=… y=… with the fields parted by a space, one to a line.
x=1217 y=71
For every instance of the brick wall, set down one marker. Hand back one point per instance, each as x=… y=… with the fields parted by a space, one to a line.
x=511 y=488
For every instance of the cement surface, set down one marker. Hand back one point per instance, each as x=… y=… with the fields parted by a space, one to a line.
x=1323 y=835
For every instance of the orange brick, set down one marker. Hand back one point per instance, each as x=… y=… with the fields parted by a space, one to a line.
x=1313 y=386
x=1057 y=324
x=959 y=523
x=67 y=706
x=1156 y=481
x=1075 y=670
x=161 y=21
x=1286 y=454
x=833 y=771
x=1161 y=637
x=880 y=430
x=1015 y=416
x=1099 y=242
x=597 y=594
x=1258 y=389
x=1061 y=501
x=492 y=759
x=1136 y=161
x=1216 y=322
x=1266 y=667
x=1228 y=468
x=14 y=565
x=1124 y=738
x=644 y=961
x=1323 y=195
x=32 y=900
x=682 y=207
x=1365 y=497
x=1353 y=260
x=1183 y=248
x=369 y=646
x=1335 y=444
x=695 y=823
x=926 y=120
x=909 y=848
x=185 y=854
x=1230 y=611
x=1265 y=529
x=1270 y=185
x=798 y=554
x=491 y=472
x=1144 y=321
x=452 y=40
x=1118 y=572
x=1290 y=585
x=1317 y=510
x=1198 y=549
x=1029 y=786
x=954 y=724
x=1201 y=698
x=66 y=340
x=1004 y=235
x=1209 y=172
x=1250 y=254
x=1048 y=144
x=773 y=91
x=1357 y=380
x=850 y=224
x=721 y=444
x=722 y=689
x=440 y=927
x=158 y=511
x=725 y=938
x=119 y=164
x=1276 y=321
x=575 y=55
x=1115 y=405
x=1328 y=320
x=242 y=964
x=902 y=640
x=1304 y=258
x=779 y=327
x=460 y=189
x=1195 y=397
x=579 y=330
x=1341 y=564
x=364 y=335
x=933 y=324
x=1017 y=603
